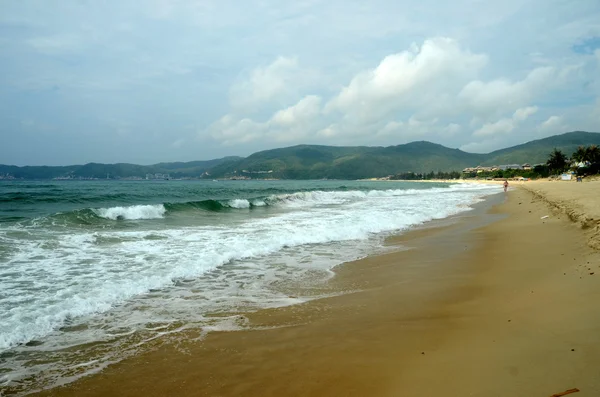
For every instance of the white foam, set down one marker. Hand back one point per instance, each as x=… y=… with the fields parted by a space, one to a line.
x=132 y=212
x=82 y=276
x=238 y=203
x=78 y=274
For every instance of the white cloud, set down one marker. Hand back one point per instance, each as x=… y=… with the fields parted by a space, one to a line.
x=175 y=63
x=330 y=131
x=407 y=79
x=295 y=122
x=452 y=129
x=421 y=93
x=506 y=125
x=308 y=107
x=553 y=125
x=523 y=113
x=230 y=131
x=498 y=96
x=267 y=84
x=413 y=128
x=485 y=146
x=502 y=126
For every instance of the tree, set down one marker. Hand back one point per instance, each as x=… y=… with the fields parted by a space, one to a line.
x=593 y=154
x=580 y=154
x=557 y=161
x=541 y=170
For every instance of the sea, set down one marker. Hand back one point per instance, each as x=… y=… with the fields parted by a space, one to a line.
x=92 y=272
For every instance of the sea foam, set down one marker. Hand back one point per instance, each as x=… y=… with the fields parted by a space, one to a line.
x=119 y=281
x=132 y=212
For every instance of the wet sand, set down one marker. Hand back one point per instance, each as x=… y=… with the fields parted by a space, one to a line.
x=493 y=303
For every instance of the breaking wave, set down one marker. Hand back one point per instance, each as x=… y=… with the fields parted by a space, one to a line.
x=133 y=212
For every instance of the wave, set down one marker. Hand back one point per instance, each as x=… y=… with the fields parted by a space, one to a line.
x=299 y=199
x=215 y=205
x=133 y=212
x=131 y=262
x=58 y=196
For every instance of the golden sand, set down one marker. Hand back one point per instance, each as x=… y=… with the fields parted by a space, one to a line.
x=493 y=304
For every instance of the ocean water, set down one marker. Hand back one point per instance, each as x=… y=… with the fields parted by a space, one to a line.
x=93 y=271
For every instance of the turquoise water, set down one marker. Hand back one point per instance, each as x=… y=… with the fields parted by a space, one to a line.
x=90 y=271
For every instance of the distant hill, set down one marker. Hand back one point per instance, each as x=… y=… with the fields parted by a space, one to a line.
x=355 y=162
x=192 y=169
x=537 y=151
x=333 y=162
x=350 y=162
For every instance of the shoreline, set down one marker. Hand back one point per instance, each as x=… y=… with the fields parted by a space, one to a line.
x=499 y=307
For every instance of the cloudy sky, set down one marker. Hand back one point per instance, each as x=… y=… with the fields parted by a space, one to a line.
x=145 y=81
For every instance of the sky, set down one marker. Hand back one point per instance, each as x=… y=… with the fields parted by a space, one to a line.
x=180 y=80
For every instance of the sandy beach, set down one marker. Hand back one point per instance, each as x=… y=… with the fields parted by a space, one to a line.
x=500 y=301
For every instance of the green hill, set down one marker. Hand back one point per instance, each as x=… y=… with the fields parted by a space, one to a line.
x=315 y=162
x=192 y=169
x=350 y=162
x=537 y=151
x=333 y=162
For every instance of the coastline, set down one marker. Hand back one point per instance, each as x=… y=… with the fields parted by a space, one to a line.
x=467 y=181
x=499 y=307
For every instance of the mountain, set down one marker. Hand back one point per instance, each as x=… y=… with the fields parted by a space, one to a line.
x=192 y=169
x=333 y=162
x=537 y=151
x=348 y=162
x=315 y=162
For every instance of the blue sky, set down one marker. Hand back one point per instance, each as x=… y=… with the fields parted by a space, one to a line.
x=179 y=80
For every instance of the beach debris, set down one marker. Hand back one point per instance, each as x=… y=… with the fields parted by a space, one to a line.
x=564 y=393
x=545 y=216
x=591 y=273
x=572 y=350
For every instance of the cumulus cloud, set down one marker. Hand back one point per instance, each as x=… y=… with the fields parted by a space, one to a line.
x=270 y=84
x=501 y=126
x=307 y=108
x=423 y=92
x=523 y=113
x=409 y=78
x=413 y=128
x=553 y=125
x=406 y=82
x=256 y=74
x=495 y=97
x=506 y=125
x=294 y=122
x=484 y=146
x=491 y=135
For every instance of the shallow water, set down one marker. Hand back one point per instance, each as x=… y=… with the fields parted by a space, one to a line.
x=92 y=271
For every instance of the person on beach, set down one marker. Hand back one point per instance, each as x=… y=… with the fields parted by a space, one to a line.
x=505 y=185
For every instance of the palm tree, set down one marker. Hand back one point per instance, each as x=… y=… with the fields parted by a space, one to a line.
x=593 y=154
x=557 y=161
x=580 y=154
